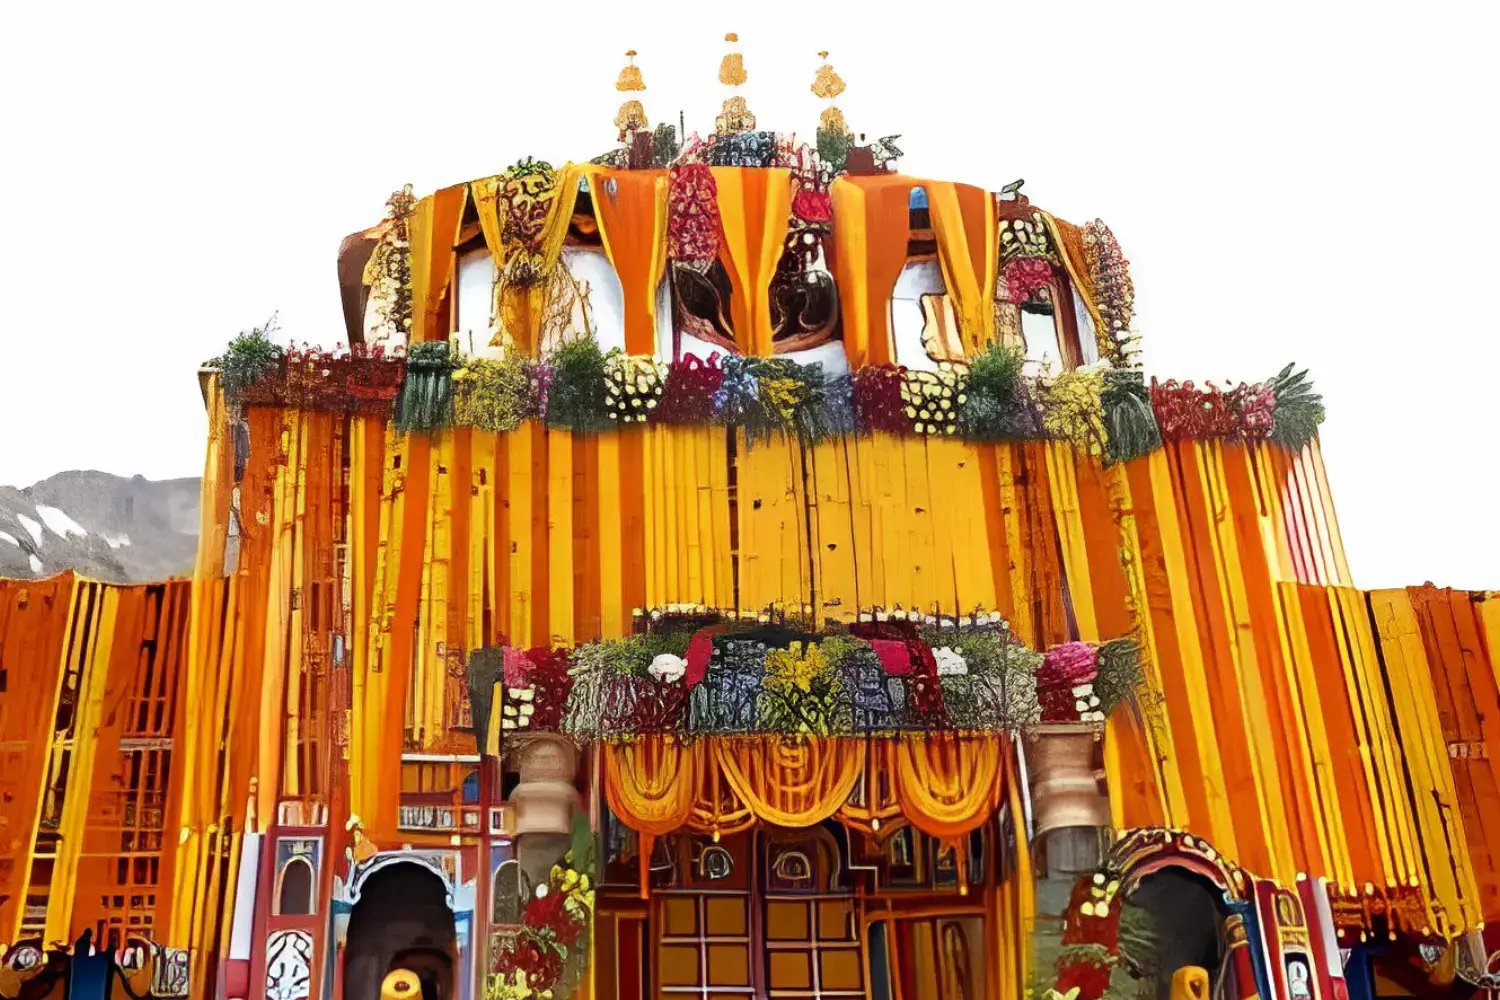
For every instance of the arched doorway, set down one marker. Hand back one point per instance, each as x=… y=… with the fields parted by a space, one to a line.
x=1171 y=918
x=401 y=920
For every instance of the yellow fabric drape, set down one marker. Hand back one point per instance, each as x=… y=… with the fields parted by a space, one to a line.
x=434 y=229
x=519 y=307
x=631 y=209
x=649 y=785
x=871 y=228
x=1069 y=247
x=754 y=206
x=791 y=784
x=965 y=225
x=949 y=785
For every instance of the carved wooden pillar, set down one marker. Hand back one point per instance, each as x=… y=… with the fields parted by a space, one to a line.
x=1068 y=790
x=543 y=801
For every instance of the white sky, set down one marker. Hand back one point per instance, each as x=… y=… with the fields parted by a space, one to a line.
x=1309 y=182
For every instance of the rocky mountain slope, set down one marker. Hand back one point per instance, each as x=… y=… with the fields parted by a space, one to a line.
x=101 y=526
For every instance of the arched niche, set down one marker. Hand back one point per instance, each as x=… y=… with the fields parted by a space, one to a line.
x=295 y=893
x=401 y=920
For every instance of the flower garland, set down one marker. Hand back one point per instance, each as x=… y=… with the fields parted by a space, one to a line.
x=362 y=380
x=1104 y=411
x=550 y=954
x=696 y=673
x=1109 y=274
x=1091 y=938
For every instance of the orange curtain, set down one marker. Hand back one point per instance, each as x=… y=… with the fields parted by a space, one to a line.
x=949 y=785
x=754 y=206
x=649 y=785
x=871 y=228
x=791 y=784
x=631 y=207
x=965 y=224
x=434 y=228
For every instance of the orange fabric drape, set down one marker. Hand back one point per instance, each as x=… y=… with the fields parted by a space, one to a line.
x=754 y=206
x=631 y=208
x=871 y=228
x=950 y=785
x=649 y=785
x=965 y=224
x=791 y=784
x=434 y=228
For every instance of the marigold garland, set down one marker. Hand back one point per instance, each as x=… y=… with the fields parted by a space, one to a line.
x=1104 y=411
x=1073 y=408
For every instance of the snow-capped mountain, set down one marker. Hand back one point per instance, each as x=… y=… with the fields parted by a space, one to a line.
x=101 y=526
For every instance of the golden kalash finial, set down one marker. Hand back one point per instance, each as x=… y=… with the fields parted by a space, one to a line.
x=735 y=116
x=827 y=84
x=732 y=67
x=632 y=116
x=630 y=76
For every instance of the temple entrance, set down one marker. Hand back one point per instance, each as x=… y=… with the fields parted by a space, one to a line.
x=1173 y=918
x=401 y=921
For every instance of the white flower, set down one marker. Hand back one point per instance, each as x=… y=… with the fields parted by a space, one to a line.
x=667 y=668
x=949 y=662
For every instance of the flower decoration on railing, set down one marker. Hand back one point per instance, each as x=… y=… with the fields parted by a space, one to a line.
x=360 y=381
x=697 y=673
x=549 y=956
x=1091 y=937
x=634 y=387
x=1065 y=684
x=933 y=400
x=1246 y=412
x=1103 y=411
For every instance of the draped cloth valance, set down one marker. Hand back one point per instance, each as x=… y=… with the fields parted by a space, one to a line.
x=946 y=786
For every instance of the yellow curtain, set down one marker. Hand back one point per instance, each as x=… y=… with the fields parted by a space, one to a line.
x=871 y=228
x=649 y=785
x=520 y=307
x=949 y=785
x=791 y=784
x=755 y=206
x=631 y=209
x=965 y=225
x=434 y=229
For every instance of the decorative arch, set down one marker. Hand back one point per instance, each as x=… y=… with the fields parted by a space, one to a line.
x=294 y=889
x=386 y=859
x=1148 y=850
x=505 y=902
x=402 y=919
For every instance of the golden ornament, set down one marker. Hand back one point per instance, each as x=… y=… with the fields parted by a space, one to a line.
x=632 y=118
x=732 y=67
x=736 y=117
x=827 y=84
x=630 y=76
x=832 y=120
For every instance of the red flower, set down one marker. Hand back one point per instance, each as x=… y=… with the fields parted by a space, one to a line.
x=1092 y=980
x=1024 y=276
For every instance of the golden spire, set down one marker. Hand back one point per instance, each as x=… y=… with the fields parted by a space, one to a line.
x=827 y=84
x=735 y=116
x=630 y=76
x=732 y=66
x=631 y=116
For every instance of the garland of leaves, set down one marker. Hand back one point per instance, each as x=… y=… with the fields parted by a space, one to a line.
x=693 y=674
x=1104 y=411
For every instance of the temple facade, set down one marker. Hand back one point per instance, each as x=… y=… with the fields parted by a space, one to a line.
x=732 y=567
